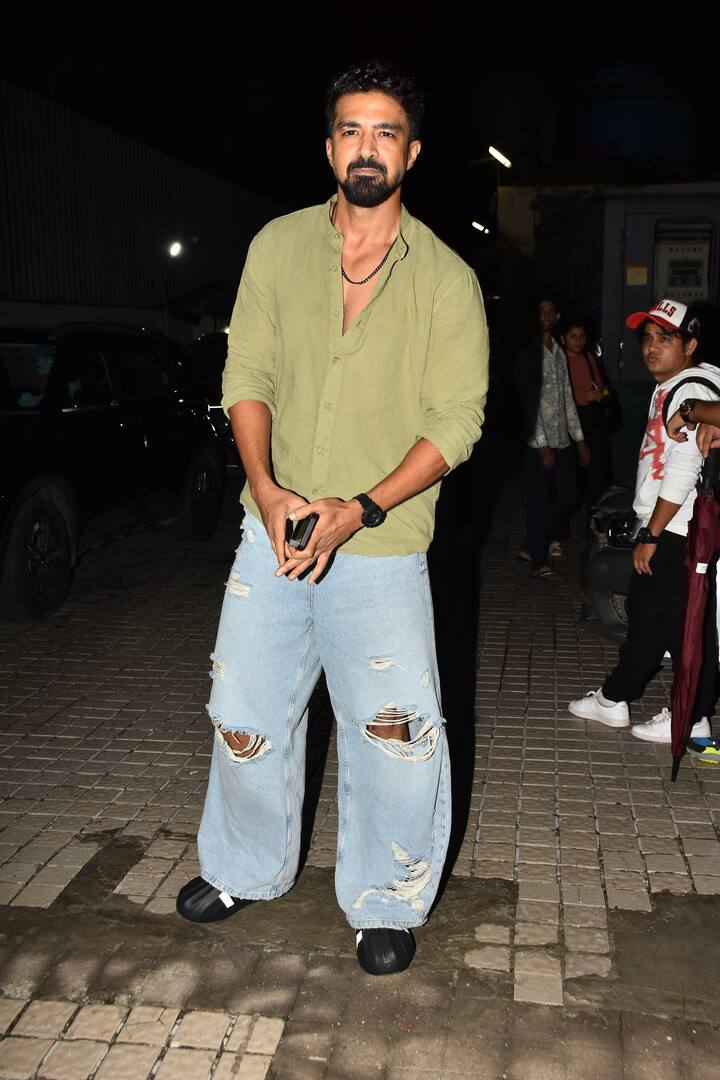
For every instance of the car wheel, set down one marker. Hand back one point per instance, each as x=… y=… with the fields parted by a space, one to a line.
x=38 y=562
x=202 y=498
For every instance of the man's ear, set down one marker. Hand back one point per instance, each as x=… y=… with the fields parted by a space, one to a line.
x=328 y=151
x=690 y=346
x=413 y=150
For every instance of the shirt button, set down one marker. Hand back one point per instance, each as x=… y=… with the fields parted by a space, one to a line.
x=328 y=404
x=316 y=491
x=336 y=359
x=320 y=451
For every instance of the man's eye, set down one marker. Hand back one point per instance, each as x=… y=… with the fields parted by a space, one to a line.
x=349 y=131
x=388 y=134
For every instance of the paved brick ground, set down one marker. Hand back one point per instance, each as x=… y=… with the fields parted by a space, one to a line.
x=104 y=750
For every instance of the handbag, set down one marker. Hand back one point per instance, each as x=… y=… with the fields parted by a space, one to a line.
x=610 y=407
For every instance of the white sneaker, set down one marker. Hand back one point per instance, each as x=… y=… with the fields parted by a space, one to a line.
x=590 y=708
x=659 y=728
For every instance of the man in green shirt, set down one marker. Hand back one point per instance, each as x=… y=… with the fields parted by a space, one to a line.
x=357 y=362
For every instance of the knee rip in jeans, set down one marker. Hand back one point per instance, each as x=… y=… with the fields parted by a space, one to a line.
x=236 y=586
x=413 y=876
x=407 y=735
x=218 y=668
x=241 y=746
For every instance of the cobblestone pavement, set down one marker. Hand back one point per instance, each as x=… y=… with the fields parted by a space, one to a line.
x=576 y=935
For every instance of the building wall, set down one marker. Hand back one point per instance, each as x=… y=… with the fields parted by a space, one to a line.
x=87 y=214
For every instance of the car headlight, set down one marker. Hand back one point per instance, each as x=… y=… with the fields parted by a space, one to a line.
x=622 y=530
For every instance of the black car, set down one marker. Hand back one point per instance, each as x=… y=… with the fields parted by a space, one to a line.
x=203 y=364
x=606 y=564
x=99 y=435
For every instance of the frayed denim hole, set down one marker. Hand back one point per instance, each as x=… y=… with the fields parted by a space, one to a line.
x=414 y=875
x=256 y=747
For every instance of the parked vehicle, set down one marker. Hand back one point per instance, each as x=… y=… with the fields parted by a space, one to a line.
x=203 y=364
x=99 y=436
x=606 y=564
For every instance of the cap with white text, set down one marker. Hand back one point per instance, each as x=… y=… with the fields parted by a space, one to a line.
x=672 y=314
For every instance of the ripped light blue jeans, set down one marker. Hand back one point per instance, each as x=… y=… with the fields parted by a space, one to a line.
x=369 y=625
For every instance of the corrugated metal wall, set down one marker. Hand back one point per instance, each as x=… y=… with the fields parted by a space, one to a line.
x=87 y=214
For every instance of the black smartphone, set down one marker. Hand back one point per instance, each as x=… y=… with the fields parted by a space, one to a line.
x=302 y=532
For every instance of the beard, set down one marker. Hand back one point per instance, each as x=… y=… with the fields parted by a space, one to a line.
x=368 y=191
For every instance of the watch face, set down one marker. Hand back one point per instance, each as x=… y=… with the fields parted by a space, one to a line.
x=372 y=516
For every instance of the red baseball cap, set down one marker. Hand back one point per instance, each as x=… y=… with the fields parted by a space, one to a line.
x=672 y=314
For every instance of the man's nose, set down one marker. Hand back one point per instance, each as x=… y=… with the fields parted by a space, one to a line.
x=368 y=144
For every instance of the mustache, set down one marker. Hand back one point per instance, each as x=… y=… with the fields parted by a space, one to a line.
x=366 y=163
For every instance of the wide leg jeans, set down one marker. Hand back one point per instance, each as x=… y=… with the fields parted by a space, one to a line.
x=369 y=625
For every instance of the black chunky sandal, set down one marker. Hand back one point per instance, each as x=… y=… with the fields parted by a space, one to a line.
x=382 y=951
x=201 y=902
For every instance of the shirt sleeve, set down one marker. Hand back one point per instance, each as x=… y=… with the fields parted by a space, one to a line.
x=455 y=382
x=249 y=373
x=539 y=437
x=683 y=461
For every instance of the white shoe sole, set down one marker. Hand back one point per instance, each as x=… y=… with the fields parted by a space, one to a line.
x=608 y=721
x=651 y=738
x=646 y=737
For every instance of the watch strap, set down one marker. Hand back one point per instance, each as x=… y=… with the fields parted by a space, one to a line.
x=372 y=514
x=686 y=407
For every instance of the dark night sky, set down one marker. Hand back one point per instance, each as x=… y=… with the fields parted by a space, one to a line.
x=241 y=94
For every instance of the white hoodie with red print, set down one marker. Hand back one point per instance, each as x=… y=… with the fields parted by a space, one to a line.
x=667 y=469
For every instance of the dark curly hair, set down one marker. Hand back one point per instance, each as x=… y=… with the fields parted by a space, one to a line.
x=376 y=75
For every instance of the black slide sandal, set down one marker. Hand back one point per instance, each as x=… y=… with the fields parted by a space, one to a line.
x=201 y=902
x=384 y=951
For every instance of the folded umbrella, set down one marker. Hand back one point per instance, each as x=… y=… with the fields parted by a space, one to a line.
x=703 y=545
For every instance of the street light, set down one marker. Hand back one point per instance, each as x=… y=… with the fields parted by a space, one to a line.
x=480 y=228
x=173 y=251
x=499 y=157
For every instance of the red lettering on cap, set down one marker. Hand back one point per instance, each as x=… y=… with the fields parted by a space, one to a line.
x=666 y=308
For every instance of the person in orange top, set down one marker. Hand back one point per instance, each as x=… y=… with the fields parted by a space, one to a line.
x=589 y=387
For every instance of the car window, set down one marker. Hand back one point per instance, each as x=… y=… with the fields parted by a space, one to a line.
x=141 y=373
x=24 y=372
x=80 y=376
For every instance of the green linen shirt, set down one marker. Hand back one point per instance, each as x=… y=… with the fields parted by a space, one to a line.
x=346 y=408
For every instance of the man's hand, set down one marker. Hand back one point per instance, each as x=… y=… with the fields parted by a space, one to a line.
x=548 y=456
x=676 y=424
x=583 y=453
x=276 y=504
x=337 y=521
x=642 y=557
x=708 y=437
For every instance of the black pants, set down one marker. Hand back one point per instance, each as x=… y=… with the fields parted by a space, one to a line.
x=596 y=477
x=655 y=609
x=550 y=494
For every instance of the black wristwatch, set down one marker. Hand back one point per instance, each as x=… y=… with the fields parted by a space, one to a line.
x=372 y=514
x=644 y=536
x=686 y=407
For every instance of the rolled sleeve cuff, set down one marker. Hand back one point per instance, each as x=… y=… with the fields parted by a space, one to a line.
x=232 y=397
x=454 y=446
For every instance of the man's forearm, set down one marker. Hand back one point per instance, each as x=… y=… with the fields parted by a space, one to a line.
x=662 y=515
x=421 y=467
x=251 y=422
x=705 y=412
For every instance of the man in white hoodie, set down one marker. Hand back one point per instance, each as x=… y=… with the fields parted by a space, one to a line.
x=664 y=495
